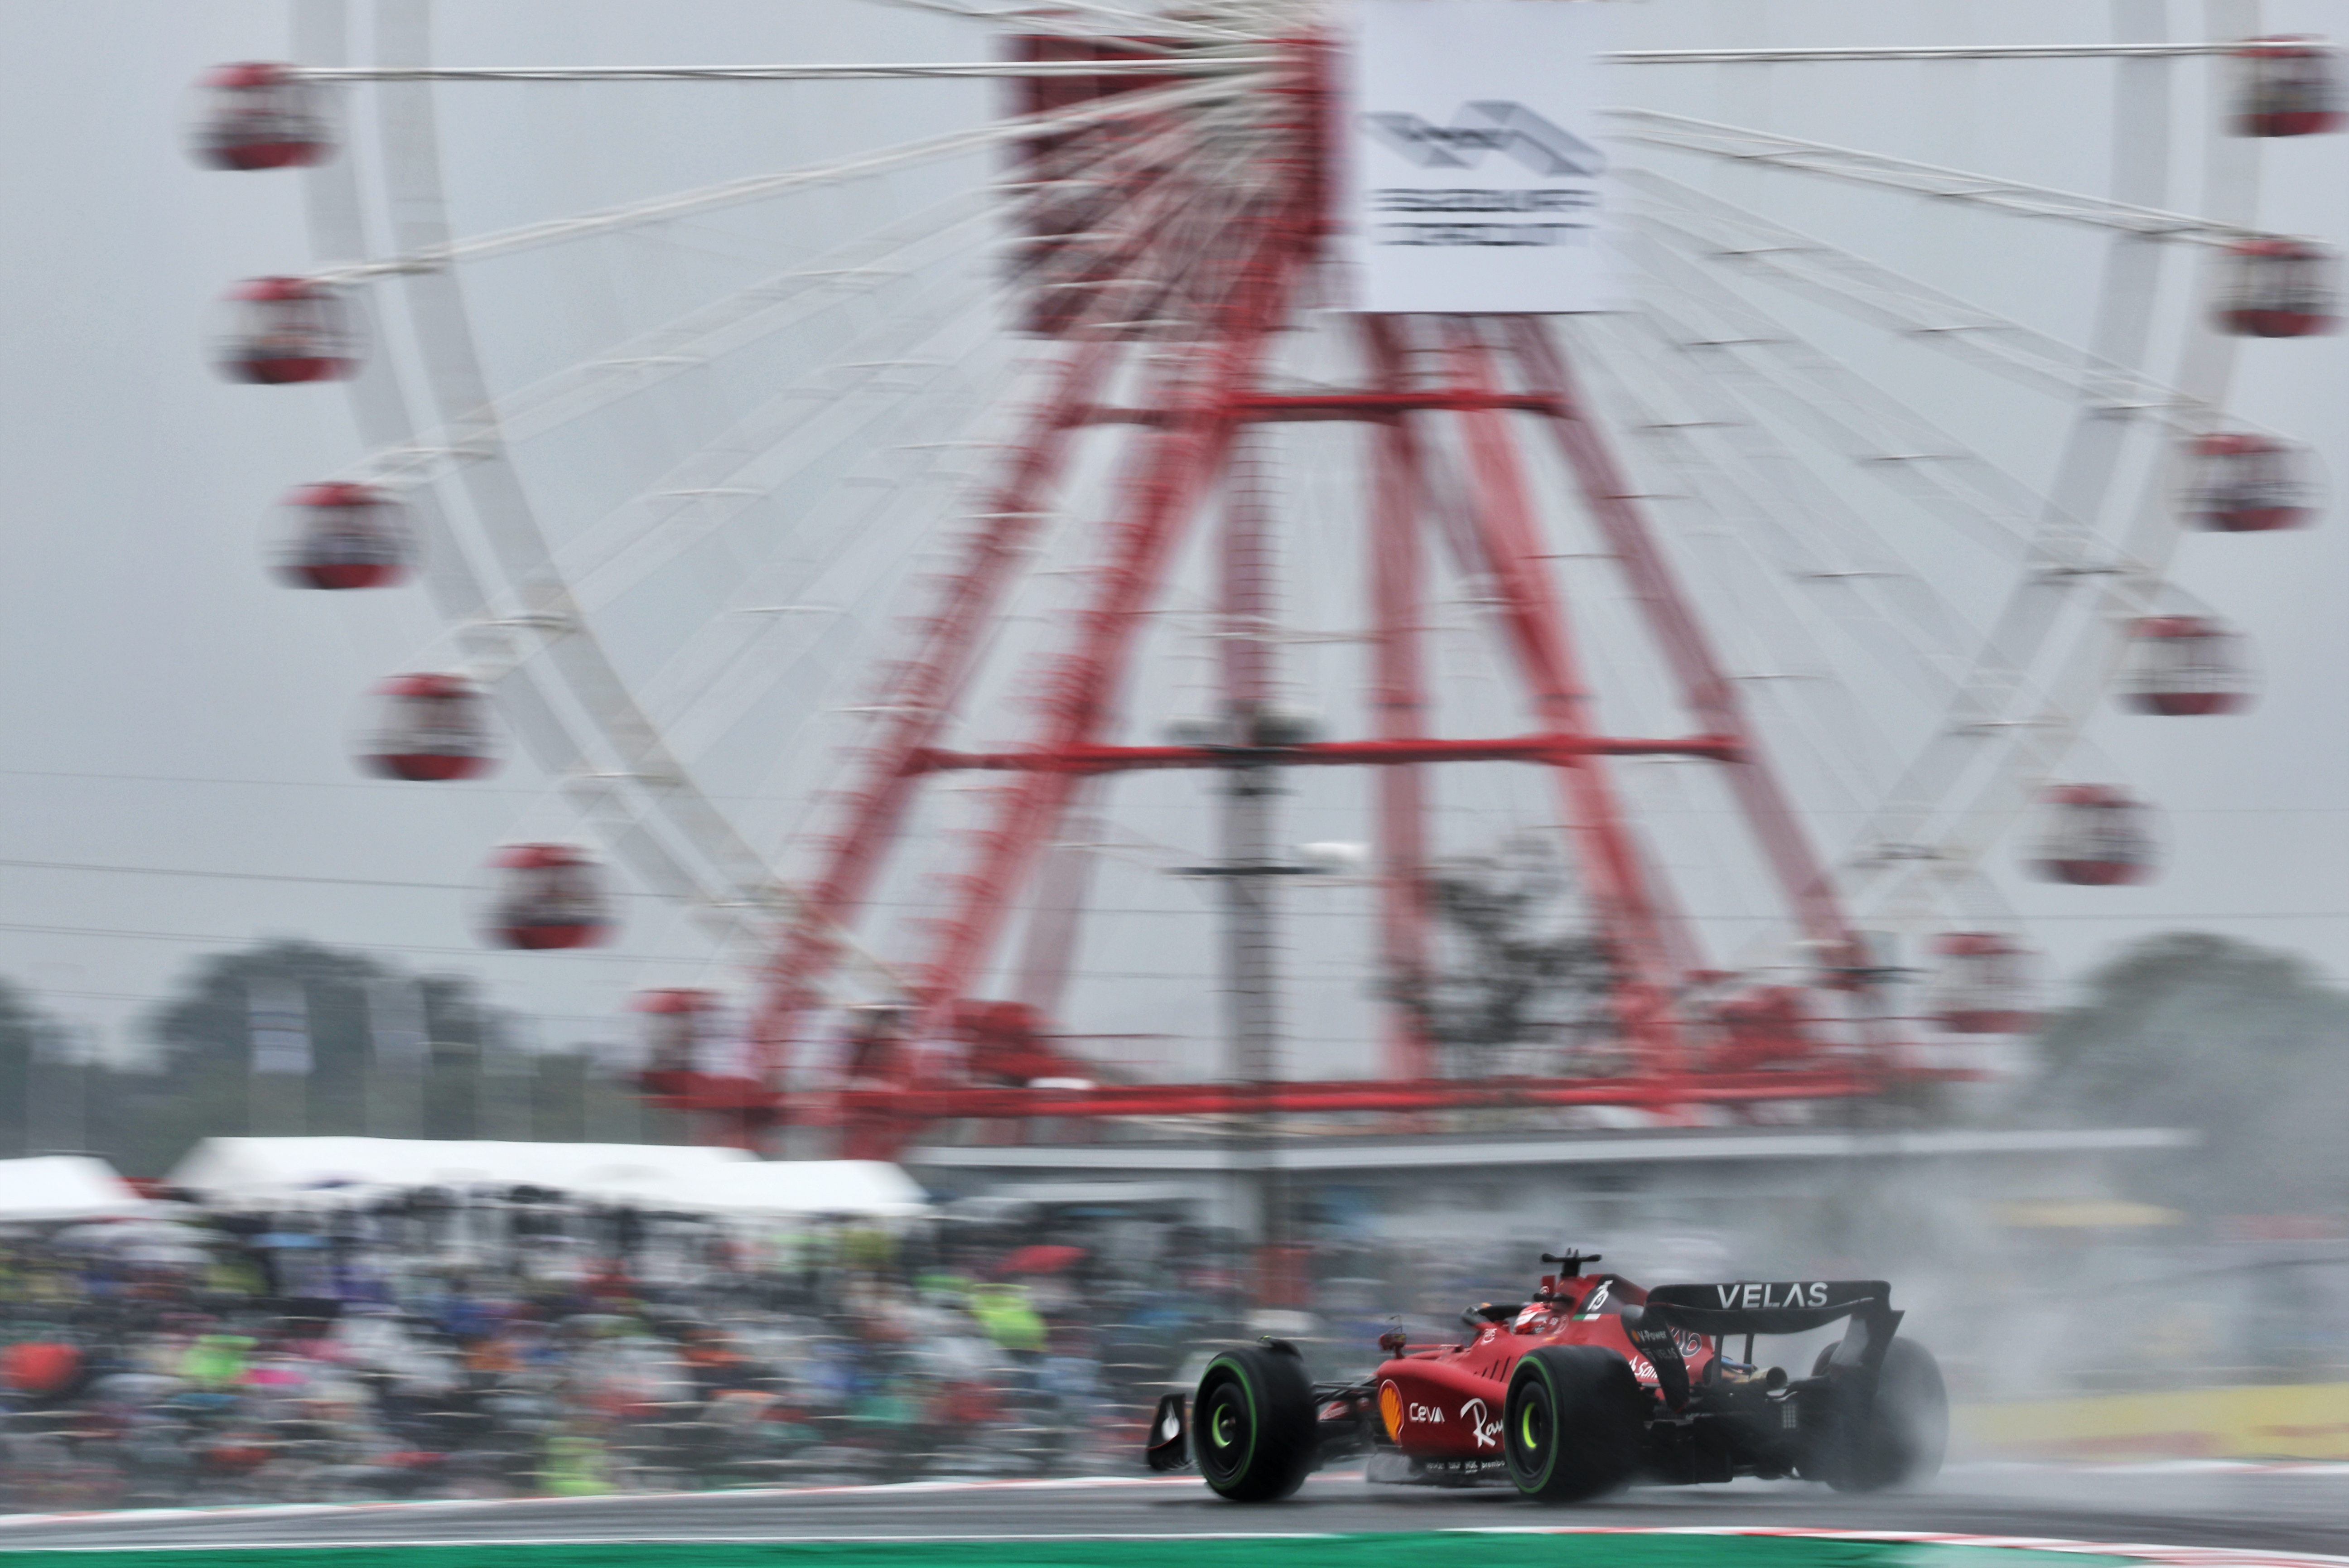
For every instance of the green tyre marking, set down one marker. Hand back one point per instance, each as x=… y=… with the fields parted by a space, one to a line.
x=1549 y=1456
x=1239 y=1375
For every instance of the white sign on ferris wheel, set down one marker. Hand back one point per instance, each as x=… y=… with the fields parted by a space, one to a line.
x=1469 y=173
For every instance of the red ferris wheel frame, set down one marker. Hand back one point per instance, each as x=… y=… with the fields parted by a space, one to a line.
x=1490 y=373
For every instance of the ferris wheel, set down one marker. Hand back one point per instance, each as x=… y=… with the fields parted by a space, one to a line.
x=781 y=448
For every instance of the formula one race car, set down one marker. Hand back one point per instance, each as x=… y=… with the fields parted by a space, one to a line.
x=1592 y=1384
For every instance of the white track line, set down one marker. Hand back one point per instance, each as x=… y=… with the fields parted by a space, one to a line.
x=2173 y=1556
x=293 y=1509
x=2168 y=1556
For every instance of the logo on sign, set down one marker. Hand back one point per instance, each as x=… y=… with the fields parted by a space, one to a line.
x=1478 y=129
x=1470 y=172
x=1756 y=1294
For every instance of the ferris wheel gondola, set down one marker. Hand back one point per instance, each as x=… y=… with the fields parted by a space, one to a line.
x=280 y=330
x=342 y=535
x=2186 y=666
x=2244 y=484
x=2281 y=289
x=259 y=115
x=547 y=897
x=430 y=728
x=683 y=537
x=2291 y=87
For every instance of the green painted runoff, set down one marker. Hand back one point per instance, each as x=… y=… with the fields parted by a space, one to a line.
x=1445 y=1549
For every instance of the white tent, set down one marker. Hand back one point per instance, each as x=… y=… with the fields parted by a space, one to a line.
x=781 y=1188
x=64 y=1186
x=262 y=1171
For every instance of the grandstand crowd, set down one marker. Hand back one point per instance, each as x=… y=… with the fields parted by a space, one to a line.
x=472 y=1344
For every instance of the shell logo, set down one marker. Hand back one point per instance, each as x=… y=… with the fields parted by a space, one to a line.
x=1390 y=1409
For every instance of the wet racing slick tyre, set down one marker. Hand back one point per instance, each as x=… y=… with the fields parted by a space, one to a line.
x=1252 y=1424
x=1571 y=1428
x=1898 y=1441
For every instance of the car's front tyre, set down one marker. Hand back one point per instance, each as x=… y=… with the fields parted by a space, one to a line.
x=1252 y=1424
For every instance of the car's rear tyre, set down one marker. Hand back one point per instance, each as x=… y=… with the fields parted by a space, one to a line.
x=1571 y=1428
x=1899 y=1440
x=1252 y=1424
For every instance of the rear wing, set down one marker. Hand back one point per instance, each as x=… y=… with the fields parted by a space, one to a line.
x=1753 y=1307
x=1768 y=1306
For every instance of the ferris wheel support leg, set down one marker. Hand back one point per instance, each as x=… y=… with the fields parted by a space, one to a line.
x=1508 y=552
x=1399 y=707
x=1182 y=462
x=1708 y=692
x=1183 y=455
x=923 y=694
x=1055 y=925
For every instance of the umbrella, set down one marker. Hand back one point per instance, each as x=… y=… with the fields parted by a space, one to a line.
x=96 y=1233
x=134 y=1387
x=1041 y=1260
x=288 y=1241
x=161 y=1252
x=162 y=1232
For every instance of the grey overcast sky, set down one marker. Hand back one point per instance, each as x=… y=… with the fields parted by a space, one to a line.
x=168 y=711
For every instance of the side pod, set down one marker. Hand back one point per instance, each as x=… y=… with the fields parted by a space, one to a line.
x=1170 y=1436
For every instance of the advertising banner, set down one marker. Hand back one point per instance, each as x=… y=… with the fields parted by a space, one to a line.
x=1470 y=176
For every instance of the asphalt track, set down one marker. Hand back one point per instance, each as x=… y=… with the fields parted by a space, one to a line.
x=2232 y=1507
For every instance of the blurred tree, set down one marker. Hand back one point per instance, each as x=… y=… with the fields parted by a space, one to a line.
x=20 y=1025
x=2245 y=1044
x=203 y=1085
x=1512 y=967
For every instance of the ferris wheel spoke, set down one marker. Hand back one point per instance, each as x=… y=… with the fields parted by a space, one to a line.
x=692 y=341
x=745 y=464
x=689 y=687
x=1769 y=57
x=1883 y=438
x=817 y=672
x=1862 y=769
x=895 y=367
x=924 y=689
x=1680 y=133
x=827 y=526
x=1125 y=16
x=444 y=253
x=1732 y=238
x=1730 y=486
x=1187 y=63
x=703 y=704
x=1915 y=627
x=862 y=537
x=1024 y=17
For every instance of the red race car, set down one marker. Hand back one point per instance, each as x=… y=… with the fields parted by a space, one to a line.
x=1592 y=1384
